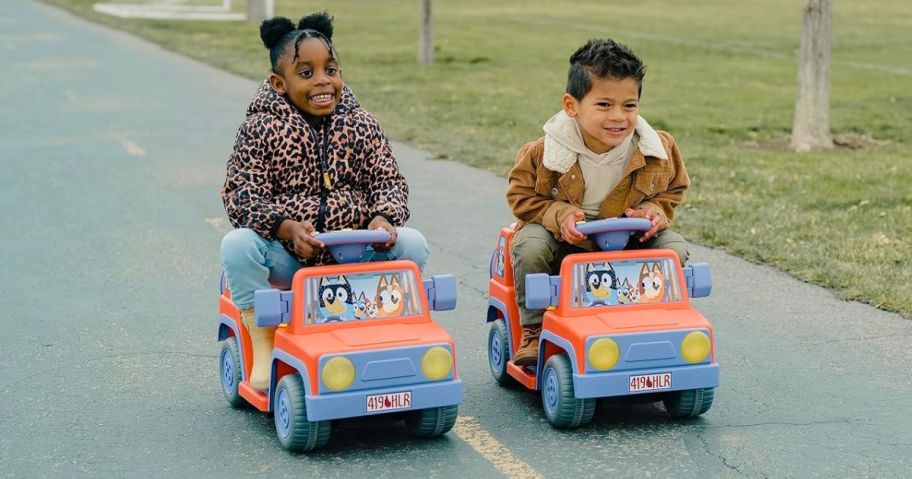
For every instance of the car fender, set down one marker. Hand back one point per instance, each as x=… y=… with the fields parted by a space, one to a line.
x=228 y=328
x=549 y=337
x=495 y=305
x=294 y=363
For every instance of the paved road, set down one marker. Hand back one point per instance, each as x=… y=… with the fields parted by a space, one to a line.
x=111 y=155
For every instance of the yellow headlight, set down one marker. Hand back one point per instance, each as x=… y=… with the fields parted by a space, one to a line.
x=338 y=373
x=604 y=353
x=695 y=346
x=437 y=363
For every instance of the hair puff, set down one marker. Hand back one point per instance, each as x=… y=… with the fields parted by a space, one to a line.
x=320 y=21
x=272 y=30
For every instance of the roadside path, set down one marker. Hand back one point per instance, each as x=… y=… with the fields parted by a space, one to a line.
x=112 y=154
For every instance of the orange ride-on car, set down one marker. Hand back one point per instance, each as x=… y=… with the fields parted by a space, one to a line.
x=353 y=339
x=617 y=323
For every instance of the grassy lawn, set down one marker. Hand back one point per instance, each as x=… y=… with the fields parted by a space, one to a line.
x=721 y=78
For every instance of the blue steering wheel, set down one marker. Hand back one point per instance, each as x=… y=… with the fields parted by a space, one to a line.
x=347 y=246
x=613 y=233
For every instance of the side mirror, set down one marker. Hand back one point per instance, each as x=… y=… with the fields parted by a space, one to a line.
x=441 y=292
x=541 y=290
x=699 y=280
x=273 y=307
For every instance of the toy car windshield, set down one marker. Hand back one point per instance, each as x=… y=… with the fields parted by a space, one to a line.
x=611 y=283
x=361 y=296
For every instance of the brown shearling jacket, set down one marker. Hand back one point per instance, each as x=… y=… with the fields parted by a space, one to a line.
x=537 y=194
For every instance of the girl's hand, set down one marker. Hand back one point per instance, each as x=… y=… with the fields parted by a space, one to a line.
x=381 y=223
x=650 y=215
x=568 y=227
x=302 y=235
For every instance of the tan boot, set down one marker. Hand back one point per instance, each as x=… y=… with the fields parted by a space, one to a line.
x=262 y=340
x=527 y=354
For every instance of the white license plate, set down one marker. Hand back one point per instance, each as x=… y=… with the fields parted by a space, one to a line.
x=650 y=382
x=389 y=402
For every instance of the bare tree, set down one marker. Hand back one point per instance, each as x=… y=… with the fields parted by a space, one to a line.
x=812 y=108
x=259 y=10
x=426 y=33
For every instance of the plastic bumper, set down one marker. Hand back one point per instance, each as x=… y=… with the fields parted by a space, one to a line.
x=593 y=385
x=354 y=404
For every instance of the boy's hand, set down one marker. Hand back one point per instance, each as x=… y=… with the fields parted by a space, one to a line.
x=650 y=215
x=568 y=227
x=302 y=235
x=381 y=223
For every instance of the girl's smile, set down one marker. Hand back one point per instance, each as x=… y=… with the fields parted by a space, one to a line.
x=323 y=100
x=312 y=81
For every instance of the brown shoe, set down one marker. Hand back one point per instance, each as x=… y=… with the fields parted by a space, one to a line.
x=527 y=354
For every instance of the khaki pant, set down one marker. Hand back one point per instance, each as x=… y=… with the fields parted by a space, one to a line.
x=535 y=250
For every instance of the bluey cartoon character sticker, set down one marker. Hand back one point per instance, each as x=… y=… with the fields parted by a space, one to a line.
x=501 y=249
x=625 y=282
x=372 y=310
x=627 y=293
x=601 y=284
x=362 y=307
x=336 y=299
x=360 y=296
x=652 y=283
x=390 y=295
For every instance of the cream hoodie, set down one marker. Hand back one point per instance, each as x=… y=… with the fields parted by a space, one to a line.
x=564 y=146
x=600 y=172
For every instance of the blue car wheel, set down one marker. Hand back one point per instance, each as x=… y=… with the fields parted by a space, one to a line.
x=295 y=432
x=562 y=408
x=230 y=372
x=499 y=352
x=431 y=422
x=690 y=403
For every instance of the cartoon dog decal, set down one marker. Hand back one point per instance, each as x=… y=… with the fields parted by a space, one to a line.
x=336 y=299
x=390 y=296
x=361 y=306
x=651 y=283
x=601 y=284
x=372 y=310
x=500 y=256
x=628 y=294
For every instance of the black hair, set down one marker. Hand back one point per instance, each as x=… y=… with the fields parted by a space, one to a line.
x=278 y=32
x=603 y=59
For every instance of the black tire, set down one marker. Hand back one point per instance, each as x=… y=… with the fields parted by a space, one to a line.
x=230 y=372
x=499 y=352
x=294 y=431
x=690 y=403
x=431 y=422
x=562 y=408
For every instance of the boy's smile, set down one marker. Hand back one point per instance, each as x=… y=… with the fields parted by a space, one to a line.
x=313 y=82
x=607 y=115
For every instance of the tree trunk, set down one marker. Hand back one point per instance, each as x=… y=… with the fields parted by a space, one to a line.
x=259 y=10
x=426 y=34
x=812 y=109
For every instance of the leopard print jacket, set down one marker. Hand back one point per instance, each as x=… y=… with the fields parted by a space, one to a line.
x=276 y=170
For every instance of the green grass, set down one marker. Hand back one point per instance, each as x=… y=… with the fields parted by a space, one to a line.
x=721 y=78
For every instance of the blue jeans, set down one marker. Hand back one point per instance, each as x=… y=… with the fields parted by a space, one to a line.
x=252 y=262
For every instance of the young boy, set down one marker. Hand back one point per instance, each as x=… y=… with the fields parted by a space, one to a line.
x=598 y=159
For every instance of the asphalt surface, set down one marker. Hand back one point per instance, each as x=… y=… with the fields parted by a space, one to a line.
x=111 y=155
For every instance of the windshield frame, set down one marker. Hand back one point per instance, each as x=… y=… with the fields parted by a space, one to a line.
x=387 y=282
x=567 y=300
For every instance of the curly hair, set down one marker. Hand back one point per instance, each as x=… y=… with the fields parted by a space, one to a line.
x=277 y=33
x=602 y=58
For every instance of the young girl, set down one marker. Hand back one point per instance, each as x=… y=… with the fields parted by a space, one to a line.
x=307 y=159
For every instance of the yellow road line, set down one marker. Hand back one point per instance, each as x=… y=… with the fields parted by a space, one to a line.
x=468 y=429
x=132 y=148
